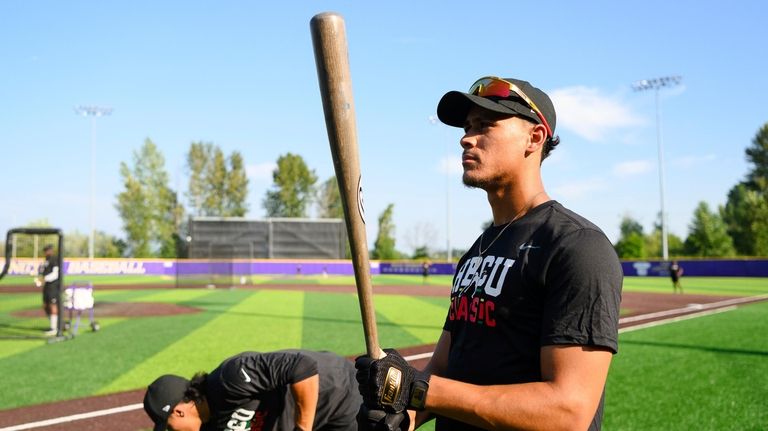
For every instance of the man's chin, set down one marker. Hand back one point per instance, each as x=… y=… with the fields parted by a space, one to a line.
x=472 y=182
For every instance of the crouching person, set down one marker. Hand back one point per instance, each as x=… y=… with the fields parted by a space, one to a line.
x=283 y=390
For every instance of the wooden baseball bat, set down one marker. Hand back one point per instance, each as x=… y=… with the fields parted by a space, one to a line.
x=329 y=39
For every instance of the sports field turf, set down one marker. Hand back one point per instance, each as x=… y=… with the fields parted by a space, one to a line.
x=706 y=373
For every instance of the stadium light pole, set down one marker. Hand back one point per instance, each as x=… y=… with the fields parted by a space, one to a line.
x=93 y=112
x=449 y=253
x=657 y=84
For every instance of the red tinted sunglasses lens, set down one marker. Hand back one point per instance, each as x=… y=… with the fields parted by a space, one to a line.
x=487 y=87
x=494 y=89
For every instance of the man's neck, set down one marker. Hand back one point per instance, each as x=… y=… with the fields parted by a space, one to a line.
x=510 y=205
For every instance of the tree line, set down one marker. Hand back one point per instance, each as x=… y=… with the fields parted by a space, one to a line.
x=154 y=218
x=738 y=228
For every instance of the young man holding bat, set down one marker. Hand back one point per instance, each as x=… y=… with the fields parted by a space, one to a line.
x=533 y=321
x=283 y=390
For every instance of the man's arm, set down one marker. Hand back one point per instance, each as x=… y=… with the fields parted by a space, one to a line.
x=437 y=366
x=305 y=393
x=567 y=398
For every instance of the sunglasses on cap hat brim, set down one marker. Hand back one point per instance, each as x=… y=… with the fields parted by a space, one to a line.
x=491 y=86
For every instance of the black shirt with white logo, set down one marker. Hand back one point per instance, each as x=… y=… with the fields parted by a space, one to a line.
x=49 y=265
x=550 y=278
x=251 y=391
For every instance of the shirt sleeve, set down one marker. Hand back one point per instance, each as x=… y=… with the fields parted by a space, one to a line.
x=256 y=373
x=583 y=292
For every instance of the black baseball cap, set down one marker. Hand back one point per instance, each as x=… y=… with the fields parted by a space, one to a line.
x=162 y=396
x=48 y=247
x=455 y=105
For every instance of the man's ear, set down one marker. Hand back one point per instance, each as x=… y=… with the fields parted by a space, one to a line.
x=538 y=134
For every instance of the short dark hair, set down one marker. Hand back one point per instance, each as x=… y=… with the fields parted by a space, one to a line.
x=549 y=146
x=197 y=388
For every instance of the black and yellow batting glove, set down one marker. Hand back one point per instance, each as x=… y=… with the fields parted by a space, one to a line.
x=391 y=384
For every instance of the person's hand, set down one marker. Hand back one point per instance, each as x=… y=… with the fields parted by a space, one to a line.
x=391 y=384
x=38 y=283
x=379 y=420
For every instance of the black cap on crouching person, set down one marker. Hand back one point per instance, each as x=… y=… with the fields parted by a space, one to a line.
x=455 y=105
x=162 y=396
x=48 y=247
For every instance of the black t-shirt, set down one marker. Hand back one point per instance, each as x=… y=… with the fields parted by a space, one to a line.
x=47 y=267
x=550 y=278
x=250 y=391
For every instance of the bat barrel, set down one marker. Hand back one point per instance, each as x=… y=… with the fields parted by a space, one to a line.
x=332 y=59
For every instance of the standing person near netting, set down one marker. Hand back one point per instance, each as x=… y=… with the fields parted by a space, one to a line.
x=48 y=279
x=283 y=390
x=675 y=272
x=533 y=318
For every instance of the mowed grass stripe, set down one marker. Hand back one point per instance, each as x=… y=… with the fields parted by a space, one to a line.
x=407 y=321
x=422 y=320
x=728 y=286
x=332 y=322
x=79 y=367
x=261 y=320
x=705 y=373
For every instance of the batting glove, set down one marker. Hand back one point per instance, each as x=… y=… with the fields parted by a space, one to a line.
x=391 y=384
x=379 y=420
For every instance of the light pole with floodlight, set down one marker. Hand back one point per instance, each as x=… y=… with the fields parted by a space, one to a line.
x=449 y=253
x=93 y=112
x=656 y=84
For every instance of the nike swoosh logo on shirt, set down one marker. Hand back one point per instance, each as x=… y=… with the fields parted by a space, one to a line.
x=527 y=246
x=247 y=377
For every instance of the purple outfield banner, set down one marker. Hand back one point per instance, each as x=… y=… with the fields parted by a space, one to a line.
x=174 y=268
x=416 y=268
x=699 y=268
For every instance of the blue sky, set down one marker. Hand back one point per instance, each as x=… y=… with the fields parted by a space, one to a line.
x=242 y=75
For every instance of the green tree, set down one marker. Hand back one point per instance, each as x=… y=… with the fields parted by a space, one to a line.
x=421 y=253
x=757 y=156
x=653 y=243
x=746 y=211
x=104 y=245
x=198 y=157
x=329 y=200
x=216 y=177
x=384 y=246
x=236 y=192
x=631 y=244
x=292 y=189
x=148 y=206
x=708 y=236
x=218 y=185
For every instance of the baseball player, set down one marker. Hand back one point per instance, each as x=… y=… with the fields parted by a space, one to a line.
x=533 y=318
x=283 y=390
x=48 y=279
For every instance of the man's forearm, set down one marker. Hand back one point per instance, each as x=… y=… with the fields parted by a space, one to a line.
x=574 y=378
x=306 y=393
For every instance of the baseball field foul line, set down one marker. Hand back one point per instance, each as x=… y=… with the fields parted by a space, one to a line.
x=72 y=418
x=703 y=310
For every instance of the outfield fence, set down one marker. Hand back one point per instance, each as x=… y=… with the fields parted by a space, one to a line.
x=237 y=268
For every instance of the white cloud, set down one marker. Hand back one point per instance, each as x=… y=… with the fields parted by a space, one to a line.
x=632 y=167
x=577 y=189
x=262 y=171
x=589 y=114
x=450 y=165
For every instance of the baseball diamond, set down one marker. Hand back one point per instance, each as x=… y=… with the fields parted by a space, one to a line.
x=122 y=410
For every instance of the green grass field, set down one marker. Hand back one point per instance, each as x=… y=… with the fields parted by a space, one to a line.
x=705 y=373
